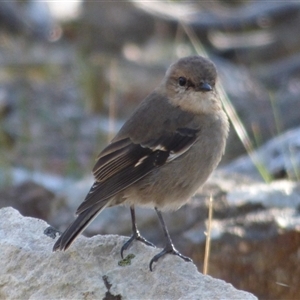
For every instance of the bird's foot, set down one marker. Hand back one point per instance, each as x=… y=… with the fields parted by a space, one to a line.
x=135 y=236
x=169 y=249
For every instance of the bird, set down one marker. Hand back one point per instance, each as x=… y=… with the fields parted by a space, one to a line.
x=162 y=154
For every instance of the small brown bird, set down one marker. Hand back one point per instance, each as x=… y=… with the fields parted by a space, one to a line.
x=163 y=153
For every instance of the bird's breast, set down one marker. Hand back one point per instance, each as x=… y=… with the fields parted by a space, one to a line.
x=171 y=185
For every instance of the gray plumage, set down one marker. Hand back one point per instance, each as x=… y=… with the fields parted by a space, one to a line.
x=164 y=152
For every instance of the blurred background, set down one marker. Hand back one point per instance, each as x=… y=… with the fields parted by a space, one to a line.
x=72 y=72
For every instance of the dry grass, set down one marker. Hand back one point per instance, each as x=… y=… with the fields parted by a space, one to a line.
x=208 y=236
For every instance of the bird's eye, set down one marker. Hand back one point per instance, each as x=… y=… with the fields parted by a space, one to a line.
x=182 y=81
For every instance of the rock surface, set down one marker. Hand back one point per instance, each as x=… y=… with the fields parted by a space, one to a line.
x=90 y=270
x=30 y=199
x=279 y=157
x=255 y=237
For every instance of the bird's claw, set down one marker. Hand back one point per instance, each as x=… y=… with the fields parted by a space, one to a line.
x=137 y=237
x=167 y=250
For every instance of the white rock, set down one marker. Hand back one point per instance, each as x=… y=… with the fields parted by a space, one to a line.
x=280 y=154
x=280 y=193
x=89 y=269
x=51 y=182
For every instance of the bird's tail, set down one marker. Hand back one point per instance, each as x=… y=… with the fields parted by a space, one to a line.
x=80 y=223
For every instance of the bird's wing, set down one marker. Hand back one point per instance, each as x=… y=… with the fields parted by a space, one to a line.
x=123 y=163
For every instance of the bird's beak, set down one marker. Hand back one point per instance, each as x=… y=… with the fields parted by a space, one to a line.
x=204 y=87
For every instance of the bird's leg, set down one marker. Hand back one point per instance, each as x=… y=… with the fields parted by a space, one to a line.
x=169 y=248
x=135 y=234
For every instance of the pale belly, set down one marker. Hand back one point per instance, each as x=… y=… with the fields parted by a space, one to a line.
x=171 y=186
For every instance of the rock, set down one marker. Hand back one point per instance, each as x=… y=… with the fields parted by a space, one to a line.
x=280 y=194
x=54 y=183
x=279 y=157
x=259 y=238
x=30 y=199
x=90 y=269
x=255 y=231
